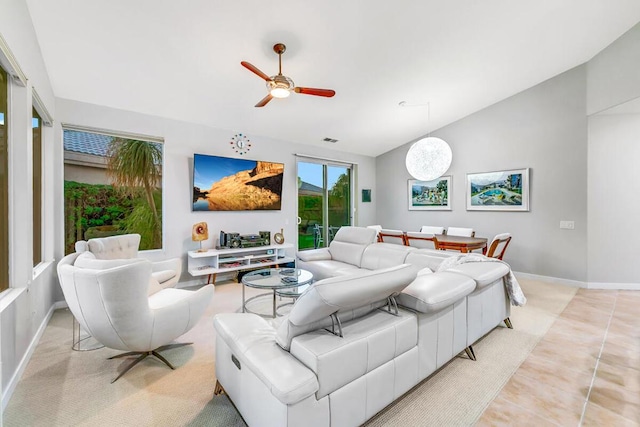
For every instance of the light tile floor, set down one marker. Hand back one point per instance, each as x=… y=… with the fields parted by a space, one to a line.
x=584 y=372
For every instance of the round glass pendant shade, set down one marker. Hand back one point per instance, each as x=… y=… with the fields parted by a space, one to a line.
x=428 y=159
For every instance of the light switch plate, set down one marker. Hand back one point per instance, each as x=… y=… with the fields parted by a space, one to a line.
x=567 y=225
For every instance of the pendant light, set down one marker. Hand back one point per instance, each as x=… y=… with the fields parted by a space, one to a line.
x=430 y=157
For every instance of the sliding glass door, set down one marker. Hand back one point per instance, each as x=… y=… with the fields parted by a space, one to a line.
x=324 y=202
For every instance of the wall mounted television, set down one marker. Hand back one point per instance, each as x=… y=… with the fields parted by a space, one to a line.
x=227 y=184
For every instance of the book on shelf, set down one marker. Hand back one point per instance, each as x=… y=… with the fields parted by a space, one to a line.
x=232 y=264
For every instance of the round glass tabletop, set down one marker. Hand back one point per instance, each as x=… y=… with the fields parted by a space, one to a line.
x=277 y=278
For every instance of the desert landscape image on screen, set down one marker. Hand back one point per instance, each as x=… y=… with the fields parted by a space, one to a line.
x=226 y=184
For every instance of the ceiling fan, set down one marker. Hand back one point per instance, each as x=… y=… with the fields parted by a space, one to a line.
x=280 y=86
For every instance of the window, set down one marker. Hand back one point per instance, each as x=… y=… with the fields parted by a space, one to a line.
x=112 y=185
x=36 y=124
x=324 y=201
x=4 y=182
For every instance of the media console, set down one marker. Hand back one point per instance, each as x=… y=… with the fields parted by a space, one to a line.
x=214 y=261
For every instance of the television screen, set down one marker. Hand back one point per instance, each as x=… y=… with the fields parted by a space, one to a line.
x=226 y=184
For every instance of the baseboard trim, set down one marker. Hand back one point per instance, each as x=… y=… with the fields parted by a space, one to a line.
x=618 y=286
x=549 y=279
x=11 y=386
x=579 y=284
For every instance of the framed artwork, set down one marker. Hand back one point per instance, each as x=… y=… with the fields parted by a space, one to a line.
x=366 y=195
x=430 y=195
x=506 y=190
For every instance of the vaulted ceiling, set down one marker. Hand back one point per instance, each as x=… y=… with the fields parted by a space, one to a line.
x=182 y=59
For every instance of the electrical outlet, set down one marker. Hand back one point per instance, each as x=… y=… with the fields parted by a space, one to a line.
x=567 y=225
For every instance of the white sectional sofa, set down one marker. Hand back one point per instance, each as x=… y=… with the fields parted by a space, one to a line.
x=345 y=351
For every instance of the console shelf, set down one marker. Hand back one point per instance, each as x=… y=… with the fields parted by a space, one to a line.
x=214 y=261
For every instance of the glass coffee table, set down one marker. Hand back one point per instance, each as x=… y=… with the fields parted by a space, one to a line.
x=287 y=282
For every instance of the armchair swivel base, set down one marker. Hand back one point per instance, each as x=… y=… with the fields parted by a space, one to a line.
x=143 y=355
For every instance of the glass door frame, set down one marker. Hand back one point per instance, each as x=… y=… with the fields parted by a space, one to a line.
x=326 y=163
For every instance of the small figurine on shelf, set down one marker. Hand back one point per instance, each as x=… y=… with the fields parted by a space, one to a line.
x=200 y=232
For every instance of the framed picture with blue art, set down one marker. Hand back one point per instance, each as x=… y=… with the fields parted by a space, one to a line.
x=430 y=195
x=506 y=190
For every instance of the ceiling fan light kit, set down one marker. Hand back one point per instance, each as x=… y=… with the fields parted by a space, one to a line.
x=281 y=86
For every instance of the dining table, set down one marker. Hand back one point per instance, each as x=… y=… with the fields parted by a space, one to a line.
x=461 y=243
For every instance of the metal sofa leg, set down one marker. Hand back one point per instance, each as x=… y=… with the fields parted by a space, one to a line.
x=218 y=389
x=507 y=322
x=470 y=353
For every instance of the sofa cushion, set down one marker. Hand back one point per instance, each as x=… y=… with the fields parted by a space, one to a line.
x=349 y=244
x=113 y=247
x=383 y=255
x=433 y=292
x=368 y=343
x=251 y=340
x=320 y=254
x=427 y=258
x=329 y=268
x=343 y=293
x=484 y=273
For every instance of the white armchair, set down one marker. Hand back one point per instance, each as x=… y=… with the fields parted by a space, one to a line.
x=114 y=306
x=125 y=246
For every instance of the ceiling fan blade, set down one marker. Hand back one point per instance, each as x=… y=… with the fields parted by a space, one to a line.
x=264 y=101
x=255 y=70
x=317 y=92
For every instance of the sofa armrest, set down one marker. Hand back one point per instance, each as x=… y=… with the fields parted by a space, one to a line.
x=321 y=254
x=252 y=341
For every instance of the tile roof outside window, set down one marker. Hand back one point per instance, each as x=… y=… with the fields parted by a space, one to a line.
x=86 y=142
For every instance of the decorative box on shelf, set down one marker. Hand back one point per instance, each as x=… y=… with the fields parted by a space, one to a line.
x=214 y=261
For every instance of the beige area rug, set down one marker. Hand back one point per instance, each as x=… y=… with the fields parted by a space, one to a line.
x=61 y=387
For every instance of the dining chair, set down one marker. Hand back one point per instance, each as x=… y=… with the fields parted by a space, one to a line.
x=317 y=236
x=417 y=239
x=391 y=236
x=459 y=231
x=432 y=229
x=499 y=245
x=378 y=228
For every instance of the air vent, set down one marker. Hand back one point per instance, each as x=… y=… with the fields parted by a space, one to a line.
x=330 y=140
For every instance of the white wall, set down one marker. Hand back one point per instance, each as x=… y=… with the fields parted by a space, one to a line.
x=613 y=76
x=614 y=205
x=24 y=309
x=182 y=140
x=543 y=128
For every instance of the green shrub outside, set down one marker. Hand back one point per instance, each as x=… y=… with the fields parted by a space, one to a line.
x=97 y=210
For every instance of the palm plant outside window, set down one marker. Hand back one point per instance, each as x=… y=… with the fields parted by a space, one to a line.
x=113 y=185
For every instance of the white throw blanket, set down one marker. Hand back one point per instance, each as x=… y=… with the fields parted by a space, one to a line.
x=513 y=287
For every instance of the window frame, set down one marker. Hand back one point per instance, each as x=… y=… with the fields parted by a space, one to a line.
x=5 y=277
x=125 y=135
x=38 y=175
